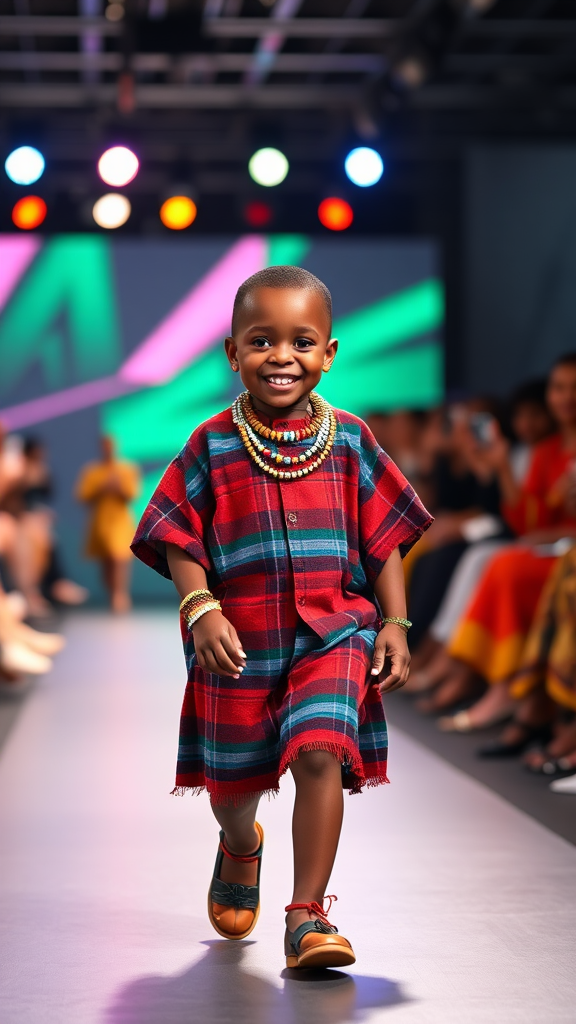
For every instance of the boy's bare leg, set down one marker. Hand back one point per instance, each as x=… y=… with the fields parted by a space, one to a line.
x=241 y=838
x=316 y=825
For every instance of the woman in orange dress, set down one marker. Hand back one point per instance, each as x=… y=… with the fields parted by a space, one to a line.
x=108 y=487
x=490 y=637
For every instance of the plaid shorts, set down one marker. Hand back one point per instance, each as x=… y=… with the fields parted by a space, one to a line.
x=238 y=736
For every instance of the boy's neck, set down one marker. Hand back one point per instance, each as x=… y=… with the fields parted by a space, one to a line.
x=299 y=411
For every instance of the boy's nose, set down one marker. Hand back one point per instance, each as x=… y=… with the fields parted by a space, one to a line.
x=282 y=355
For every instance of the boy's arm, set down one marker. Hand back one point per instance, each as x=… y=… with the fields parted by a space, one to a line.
x=391 y=641
x=216 y=642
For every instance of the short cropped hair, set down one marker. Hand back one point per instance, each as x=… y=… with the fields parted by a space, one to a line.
x=282 y=277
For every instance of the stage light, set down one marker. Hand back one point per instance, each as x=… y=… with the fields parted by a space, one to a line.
x=118 y=166
x=364 y=166
x=258 y=214
x=335 y=214
x=268 y=166
x=25 y=165
x=111 y=210
x=29 y=212
x=178 y=212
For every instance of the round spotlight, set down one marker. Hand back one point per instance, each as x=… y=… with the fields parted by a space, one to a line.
x=258 y=214
x=25 y=165
x=111 y=210
x=29 y=213
x=335 y=214
x=268 y=166
x=118 y=166
x=178 y=212
x=364 y=166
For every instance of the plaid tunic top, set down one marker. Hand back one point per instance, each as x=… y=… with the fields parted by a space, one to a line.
x=332 y=530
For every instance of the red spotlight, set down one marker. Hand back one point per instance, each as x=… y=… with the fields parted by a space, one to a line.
x=29 y=212
x=258 y=214
x=335 y=214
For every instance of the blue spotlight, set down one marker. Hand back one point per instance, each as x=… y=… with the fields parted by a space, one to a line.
x=364 y=166
x=25 y=165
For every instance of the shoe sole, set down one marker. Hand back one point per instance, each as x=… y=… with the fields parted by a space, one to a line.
x=211 y=918
x=334 y=956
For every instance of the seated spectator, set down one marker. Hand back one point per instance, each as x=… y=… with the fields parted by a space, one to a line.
x=530 y=423
x=37 y=518
x=544 y=686
x=490 y=637
x=466 y=509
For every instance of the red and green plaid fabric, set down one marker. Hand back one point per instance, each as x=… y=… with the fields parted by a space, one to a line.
x=315 y=544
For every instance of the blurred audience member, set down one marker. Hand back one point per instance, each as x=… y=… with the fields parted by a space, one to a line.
x=530 y=423
x=489 y=639
x=37 y=517
x=466 y=506
x=545 y=684
x=108 y=487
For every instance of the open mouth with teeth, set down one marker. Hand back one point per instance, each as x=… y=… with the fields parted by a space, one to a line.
x=281 y=381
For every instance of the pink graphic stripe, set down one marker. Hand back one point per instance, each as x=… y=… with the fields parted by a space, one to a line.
x=16 y=255
x=61 y=402
x=198 y=320
x=189 y=329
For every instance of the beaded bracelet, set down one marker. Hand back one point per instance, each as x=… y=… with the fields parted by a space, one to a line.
x=405 y=623
x=194 y=597
x=208 y=606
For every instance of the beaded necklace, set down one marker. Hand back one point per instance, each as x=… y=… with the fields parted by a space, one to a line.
x=249 y=427
x=319 y=407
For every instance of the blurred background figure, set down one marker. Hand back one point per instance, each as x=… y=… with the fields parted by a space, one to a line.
x=108 y=487
x=23 y=651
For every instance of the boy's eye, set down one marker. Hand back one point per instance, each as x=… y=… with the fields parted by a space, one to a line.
x=303 y=343
x=260 y=342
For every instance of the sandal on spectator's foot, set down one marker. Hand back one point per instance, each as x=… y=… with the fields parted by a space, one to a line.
x=233 y=909
x=316 y=943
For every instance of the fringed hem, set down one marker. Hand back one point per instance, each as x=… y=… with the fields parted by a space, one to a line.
x=349 y=758
x=225 y=799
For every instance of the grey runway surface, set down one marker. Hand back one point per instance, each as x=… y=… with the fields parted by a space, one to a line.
x=459 y=906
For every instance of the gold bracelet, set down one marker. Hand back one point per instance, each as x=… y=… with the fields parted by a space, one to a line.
x=194 y=595
x=396 y=621
x=209 y=606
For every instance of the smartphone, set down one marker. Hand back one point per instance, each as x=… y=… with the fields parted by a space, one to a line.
x=482 y=427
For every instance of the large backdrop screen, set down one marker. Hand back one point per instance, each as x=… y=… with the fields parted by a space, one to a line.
x=124 y=336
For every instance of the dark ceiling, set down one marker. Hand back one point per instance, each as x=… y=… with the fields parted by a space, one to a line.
x=196 y=87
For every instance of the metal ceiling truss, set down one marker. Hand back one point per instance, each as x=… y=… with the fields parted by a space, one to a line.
x=198 y=85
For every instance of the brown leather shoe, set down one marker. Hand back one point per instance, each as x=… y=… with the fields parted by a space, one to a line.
x=316 y=943
x=233 y=909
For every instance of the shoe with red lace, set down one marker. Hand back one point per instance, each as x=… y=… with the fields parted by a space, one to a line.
x=316 y=943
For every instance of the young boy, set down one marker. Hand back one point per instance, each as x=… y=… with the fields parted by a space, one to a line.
x=282 y=524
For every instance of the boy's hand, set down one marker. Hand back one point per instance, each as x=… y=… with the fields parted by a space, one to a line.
x=391 y=650
x=217 y=645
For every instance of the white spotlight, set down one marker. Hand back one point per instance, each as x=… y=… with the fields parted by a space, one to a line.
x=364 y=166
x=111 y=210
x=268 y=166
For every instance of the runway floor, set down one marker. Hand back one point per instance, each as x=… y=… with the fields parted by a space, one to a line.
x=460 y=907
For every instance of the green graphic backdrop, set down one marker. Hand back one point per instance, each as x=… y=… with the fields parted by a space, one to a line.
x=86 y=302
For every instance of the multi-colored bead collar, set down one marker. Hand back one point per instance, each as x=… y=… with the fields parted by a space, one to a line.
x=323 y=424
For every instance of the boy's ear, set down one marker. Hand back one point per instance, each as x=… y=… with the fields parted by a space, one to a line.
x=232 y=353
x=330 y=354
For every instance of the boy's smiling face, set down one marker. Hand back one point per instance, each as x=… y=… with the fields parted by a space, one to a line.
x=281 y=345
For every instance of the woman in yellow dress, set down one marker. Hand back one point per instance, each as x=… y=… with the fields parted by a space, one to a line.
x=108 y=487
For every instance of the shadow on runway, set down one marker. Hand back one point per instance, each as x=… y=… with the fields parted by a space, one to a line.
x=217 y=990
